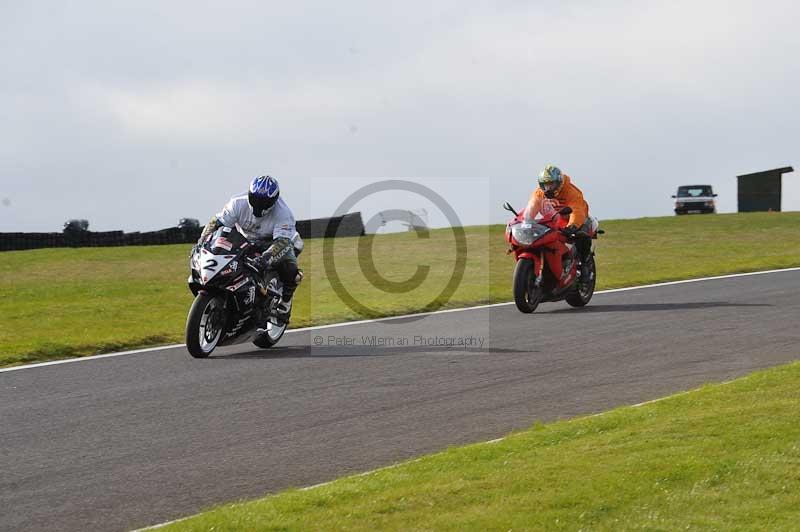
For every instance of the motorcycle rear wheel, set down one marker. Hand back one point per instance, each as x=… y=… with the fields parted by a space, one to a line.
x=526 y=295
x=584 y=290
x=204 y=325
x=270 y=336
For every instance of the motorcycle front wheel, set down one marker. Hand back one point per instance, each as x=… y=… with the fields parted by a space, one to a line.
x=526 y=295
x=204 y=324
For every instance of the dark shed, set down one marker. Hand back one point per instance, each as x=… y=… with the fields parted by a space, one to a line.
x=761 y=191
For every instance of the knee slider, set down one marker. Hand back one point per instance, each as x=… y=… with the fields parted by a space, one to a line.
x=287 y=270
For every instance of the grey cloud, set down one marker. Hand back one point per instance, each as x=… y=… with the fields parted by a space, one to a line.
x=133 y=114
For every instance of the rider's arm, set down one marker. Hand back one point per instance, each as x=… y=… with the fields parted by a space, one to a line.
x=230 y=213
x=284 y=222
x=573 y=198
x=282 y=235
x=224 y=218
x=227 y=217
x=210 y=227
x=534 y=205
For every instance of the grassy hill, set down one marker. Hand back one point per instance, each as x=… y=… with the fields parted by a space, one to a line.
x=60 y=303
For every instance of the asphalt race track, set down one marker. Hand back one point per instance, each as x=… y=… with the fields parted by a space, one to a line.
x=130 y=441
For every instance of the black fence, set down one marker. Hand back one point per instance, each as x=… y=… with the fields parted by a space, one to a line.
x=347 y=225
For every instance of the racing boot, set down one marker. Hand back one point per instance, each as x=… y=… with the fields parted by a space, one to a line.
x=284 y=309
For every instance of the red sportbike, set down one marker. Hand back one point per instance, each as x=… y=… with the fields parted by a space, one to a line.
x=548 y=263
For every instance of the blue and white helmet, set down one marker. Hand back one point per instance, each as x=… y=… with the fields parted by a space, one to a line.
x=263 y=194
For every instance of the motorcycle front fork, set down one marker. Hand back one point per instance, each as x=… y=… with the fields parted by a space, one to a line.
x=539 y=272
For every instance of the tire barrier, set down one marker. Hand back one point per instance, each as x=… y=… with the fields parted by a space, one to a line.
x=348 y=225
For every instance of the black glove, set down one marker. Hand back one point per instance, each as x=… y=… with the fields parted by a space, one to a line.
x=255 y=264
x=570 y=230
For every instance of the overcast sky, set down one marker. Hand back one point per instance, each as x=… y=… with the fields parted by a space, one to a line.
x=133 y=114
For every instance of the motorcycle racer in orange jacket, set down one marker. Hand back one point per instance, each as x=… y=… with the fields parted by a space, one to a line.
x=555 y=192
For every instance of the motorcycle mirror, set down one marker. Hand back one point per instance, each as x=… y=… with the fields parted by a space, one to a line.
x=507 y=206
x=566 y=211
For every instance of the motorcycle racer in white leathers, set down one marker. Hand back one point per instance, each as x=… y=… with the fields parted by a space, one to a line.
x=264 y=219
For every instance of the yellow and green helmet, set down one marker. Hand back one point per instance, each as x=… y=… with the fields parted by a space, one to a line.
x=551 y=179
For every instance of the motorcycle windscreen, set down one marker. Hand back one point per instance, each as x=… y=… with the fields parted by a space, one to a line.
x=226 y=240
x=527 y=233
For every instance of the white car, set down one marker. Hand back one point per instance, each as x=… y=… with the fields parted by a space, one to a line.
x=695 y=199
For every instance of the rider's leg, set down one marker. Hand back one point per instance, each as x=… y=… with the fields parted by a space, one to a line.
x=290 y=276
x=584 y=245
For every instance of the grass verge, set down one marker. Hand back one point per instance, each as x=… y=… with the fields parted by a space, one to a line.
x=723 y=457
x=59 y=303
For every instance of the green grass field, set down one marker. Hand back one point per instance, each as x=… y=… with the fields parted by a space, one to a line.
x=59 y=303
x=724 y=457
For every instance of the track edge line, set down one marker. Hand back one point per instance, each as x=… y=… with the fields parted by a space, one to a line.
x=390 y=318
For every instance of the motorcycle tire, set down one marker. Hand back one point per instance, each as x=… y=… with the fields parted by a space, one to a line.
x=200 y=313
x=526 y=296
x=583 y=292
x=269 y=338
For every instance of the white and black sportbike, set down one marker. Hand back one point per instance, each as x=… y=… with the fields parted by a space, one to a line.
x=234 y=302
